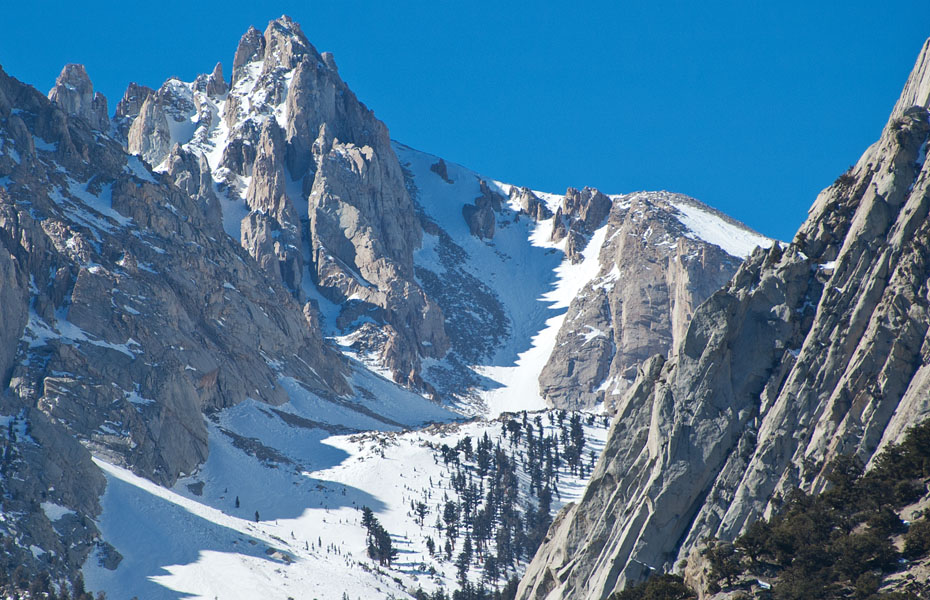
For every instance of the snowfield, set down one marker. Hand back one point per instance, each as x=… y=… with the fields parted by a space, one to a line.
x=711 y=226
x=296 y=531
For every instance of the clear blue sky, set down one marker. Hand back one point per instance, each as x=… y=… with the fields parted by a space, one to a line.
x=752 y=107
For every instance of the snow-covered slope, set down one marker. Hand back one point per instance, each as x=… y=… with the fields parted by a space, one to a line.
x=506 y=298
x=715 y=228
x=285 y=517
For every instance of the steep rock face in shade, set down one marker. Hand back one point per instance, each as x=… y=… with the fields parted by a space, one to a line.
x=810 y=351
x=651 y=277
x=321 y=194
x=481 y=216
x=128 y=108
x=127 y=316
x=74 y=94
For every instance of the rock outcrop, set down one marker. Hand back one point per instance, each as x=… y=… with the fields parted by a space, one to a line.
x=327 y=205
x=127 y=316
x=530 y=204
x=481 y=215
x=579 y=215
x=653 y=273
x=74 y=94
x=809 y=352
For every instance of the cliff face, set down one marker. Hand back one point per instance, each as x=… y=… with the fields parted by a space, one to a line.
x=810 y=351
x=309 y=181
x=127 y=315
x=653 y=271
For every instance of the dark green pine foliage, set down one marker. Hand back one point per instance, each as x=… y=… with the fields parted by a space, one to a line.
x=838 y=544
x=380 y=546
x=493 y=506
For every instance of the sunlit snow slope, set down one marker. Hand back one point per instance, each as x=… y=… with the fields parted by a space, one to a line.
x=296 y=531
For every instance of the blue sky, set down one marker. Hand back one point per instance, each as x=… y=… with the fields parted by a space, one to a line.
x=752 y=107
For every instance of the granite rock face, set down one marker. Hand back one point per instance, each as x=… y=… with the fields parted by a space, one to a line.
x=651 y=277
x=579 y=215
x=74 y=94
x=128 y=108
x=109 y=343
x=322 y=196
x=810 y=351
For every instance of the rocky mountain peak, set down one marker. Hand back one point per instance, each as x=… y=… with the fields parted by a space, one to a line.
x=216 y=84
x=652 y=274
x=310 y=175
x=74 y=94
x=285 y=45
x=251 y=48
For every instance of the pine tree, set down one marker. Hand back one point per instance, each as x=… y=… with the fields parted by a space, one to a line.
x=491 y=570
x=421 y=510
x=450 y=515
x=463 y=561
x=368 y=518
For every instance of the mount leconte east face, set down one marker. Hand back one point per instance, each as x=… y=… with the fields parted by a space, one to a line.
x=237 y=312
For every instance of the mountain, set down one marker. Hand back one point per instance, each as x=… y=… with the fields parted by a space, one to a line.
x=419 y=267
x=241 y=296
x=811 y=351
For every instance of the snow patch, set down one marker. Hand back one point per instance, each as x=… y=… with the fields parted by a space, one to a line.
x=55 y=512
x=733 y=239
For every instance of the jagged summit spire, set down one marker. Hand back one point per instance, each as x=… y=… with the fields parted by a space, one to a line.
x=251 y=48
x=74 y=93
x=286 y=45
x=287 y=25
x=216 y=84
x=282 y=45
